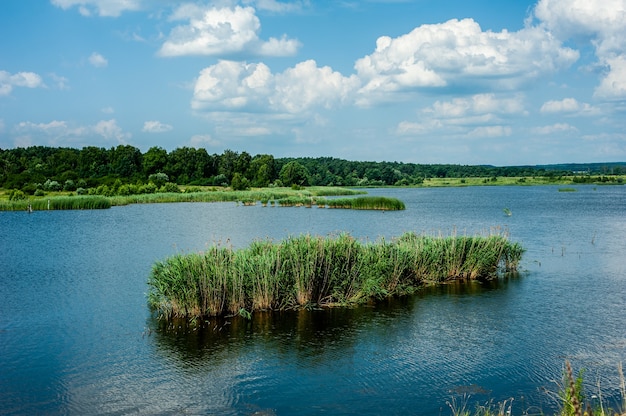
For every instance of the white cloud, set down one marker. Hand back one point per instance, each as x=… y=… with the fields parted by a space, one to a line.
x=239 y=86
x=276 y=6
x=105 y=8
x=108 y=110
x=156 y=127
x=460 y=53
x=62 y=133
x=490 y=131
x=219 y=31
x=306 y=86
x=554 y=129
x=109 y=130
x=477 y=104
x=573 y=18
x=59 y=81
x=98 y=60
x=613 y=84
x=603 y=24
x=21 y=79
x=568 y=106
x=477 y=116
x=203 y=140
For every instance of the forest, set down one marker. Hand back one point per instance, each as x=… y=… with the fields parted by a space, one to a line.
x=48 y=168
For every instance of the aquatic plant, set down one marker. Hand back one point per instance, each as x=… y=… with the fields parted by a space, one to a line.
x=367 y=202
x=305 y=271
x=570 y=396
x=57 y=203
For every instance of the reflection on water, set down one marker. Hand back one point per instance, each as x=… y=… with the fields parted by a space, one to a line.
x=77 y=337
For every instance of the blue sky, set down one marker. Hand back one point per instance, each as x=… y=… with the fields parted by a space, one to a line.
x=423 y=81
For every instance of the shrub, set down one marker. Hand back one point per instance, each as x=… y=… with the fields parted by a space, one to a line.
x=169 y=187
x=158 y=179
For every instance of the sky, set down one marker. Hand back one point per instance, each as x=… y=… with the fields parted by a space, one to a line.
x=469 y=82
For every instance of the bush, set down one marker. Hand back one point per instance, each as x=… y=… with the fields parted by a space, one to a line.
x=239 y=182
x=16 y=195
x=51 y=185
x=69 y=185
x=169 y=187
x=159 y=179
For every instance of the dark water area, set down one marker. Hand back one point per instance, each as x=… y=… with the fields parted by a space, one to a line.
x=77 y=337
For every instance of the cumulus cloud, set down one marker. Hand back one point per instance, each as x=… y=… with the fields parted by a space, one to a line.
x=276 y=6
x=156 y=127
x=240 y=86
x=459 y=52
x=477 y=104
x=490 y=131
x=568 y=106
x=203 y=140
x=109 y=130
x=97 y=60
x=105 y=8
x=603 y=24
x=554 y=129
x=220 y=31
x=613 y=84
x=21 y=79
x=477 y=116
x=60 y=133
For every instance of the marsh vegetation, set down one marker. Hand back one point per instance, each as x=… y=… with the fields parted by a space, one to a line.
x=312 y=271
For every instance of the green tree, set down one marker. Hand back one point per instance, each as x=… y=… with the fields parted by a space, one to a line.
x=293 y=173
x=262 y=170
x=159 y=179
x=154 y=160
x=239 y=182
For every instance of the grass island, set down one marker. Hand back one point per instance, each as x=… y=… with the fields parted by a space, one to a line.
x=312 y=271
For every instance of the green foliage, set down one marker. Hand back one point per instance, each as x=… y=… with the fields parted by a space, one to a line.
x=57 y=203
x=572 y=393
x=239 y=182
x=307 y=270
x=23 y=168
x=16 y=195
x=158 y=179
x=169 y=187
x=293 y=173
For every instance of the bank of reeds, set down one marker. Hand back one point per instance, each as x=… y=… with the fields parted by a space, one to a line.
x=57 y=203
x=367 y=202
x=249 y=197
x=310 y=271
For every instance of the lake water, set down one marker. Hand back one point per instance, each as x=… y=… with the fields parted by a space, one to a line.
x=76 y=335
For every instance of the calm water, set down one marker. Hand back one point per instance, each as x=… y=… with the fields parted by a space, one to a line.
x=76 y=336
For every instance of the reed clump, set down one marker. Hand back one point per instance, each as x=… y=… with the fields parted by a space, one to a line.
x=57 y=203
x=367 y=202
x=307 y=271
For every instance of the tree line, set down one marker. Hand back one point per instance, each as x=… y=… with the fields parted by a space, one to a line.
x=36 y=167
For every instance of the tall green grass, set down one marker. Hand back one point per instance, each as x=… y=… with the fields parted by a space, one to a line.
x=289 y=196
x=57 y=203
x=307 y=271
x=367 y=202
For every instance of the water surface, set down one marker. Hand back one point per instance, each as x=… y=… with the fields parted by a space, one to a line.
x=76 y=336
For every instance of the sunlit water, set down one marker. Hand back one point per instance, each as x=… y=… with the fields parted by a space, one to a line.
x=76 y=336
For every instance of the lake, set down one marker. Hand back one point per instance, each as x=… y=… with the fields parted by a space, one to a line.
x=77 y=337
